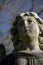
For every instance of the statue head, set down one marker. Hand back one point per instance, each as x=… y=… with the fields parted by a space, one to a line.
x=27 y=27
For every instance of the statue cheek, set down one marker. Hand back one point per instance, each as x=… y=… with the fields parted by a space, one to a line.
x=36 y=29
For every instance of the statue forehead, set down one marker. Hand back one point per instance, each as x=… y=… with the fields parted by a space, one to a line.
x=27 y=15
x=24 y=17
x=31 y=14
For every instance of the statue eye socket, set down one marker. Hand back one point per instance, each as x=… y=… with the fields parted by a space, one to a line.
x=29 y=21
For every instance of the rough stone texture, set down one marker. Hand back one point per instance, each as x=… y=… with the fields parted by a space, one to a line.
x=28 y=28
x=27 y=32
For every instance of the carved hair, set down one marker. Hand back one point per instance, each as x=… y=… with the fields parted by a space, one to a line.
x=14 y=30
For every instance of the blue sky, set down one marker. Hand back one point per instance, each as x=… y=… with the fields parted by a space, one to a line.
x=38 y=5
x=1 y=1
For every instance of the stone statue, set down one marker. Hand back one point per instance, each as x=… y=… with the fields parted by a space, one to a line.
x=27 y=32
x=27 y=37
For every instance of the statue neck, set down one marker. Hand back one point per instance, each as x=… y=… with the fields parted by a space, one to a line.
x=35 y=43
x=32 y=44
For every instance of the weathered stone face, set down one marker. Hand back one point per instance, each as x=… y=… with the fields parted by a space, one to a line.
x=28 y=25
